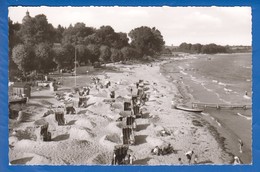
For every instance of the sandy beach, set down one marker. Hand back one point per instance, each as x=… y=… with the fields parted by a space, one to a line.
x=89 y=136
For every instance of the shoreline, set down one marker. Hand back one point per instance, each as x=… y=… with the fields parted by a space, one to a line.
x=227 y=139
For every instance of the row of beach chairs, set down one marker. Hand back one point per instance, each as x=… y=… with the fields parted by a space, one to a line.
x=132 y=109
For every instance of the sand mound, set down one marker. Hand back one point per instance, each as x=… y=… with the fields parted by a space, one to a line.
x=85 y=123
x=29 y=159
x=103 y=158
x=120 y=99
x=40 y=122
x=115 y=138
x=158 y=128
x=154 y=141
x=24 y=117
x=106 y=143
x=36 y=159
x=13 y=140
x=102 y=93
x=80 y=134
x=25 y=144
x=28 y=133
x=117 y=105
x=45 y=102
x=114 y=128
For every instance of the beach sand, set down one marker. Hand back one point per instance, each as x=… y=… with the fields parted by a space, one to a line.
x=89 y=136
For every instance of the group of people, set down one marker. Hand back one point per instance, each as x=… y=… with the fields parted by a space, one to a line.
x=162 y=151
x=127 y=159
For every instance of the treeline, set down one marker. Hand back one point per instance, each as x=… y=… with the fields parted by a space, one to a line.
x=203 y=49
x=35 y=45
x=206 y=49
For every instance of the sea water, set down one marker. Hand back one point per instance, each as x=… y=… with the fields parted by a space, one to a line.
x=221 y=79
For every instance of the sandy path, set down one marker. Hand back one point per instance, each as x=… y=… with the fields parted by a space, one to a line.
x=84 y=140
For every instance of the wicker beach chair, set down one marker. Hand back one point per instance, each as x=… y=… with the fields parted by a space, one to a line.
x=45 y=135
x=59 y=117
x=130 y=120
x=112 y=94
x=127 y=106
x=128 y=135
x=134 y=99
x=70 y=109
x=120 y=152
x=136 y=110
x=140 y=92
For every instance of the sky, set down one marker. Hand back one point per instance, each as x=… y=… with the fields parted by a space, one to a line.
x=220 y=25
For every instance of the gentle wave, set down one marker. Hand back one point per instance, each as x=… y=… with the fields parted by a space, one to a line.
x=247 y=97
x=246 y=117
x=228 y=90
x=183 y=73
x=221 y=83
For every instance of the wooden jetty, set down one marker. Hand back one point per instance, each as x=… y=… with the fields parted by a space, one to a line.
x=220 y=106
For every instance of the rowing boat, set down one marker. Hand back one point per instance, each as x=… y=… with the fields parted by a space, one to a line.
x=18 y=100
x=189 y=109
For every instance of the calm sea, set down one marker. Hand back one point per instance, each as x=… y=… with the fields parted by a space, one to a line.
x=221 y=79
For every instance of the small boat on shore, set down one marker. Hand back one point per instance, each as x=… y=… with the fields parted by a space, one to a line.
x=189 y=109
x=22 y=100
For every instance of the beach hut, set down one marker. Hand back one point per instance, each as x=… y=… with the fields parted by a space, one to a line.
x=21 y=88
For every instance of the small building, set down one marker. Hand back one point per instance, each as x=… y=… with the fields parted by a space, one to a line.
x=20 y=88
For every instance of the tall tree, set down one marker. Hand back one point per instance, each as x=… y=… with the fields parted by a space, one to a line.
x=76 y=34
x=44 y=32
x=116 y=55
x=94 y=52
x=129 y=53
x=23 y=56
x=105 y=53
x=146 y=40
x=44 y=57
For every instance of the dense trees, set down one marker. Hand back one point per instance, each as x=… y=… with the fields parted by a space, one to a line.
x=36 y=45
x=204 y=49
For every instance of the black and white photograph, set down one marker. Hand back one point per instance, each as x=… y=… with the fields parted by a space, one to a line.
x=130 y=85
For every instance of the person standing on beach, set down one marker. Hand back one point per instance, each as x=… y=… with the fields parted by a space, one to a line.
x=195 y=159
x=132 y=158
x=189 y=155
x=240 y=145
x=180 y=161
x=236 y=160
